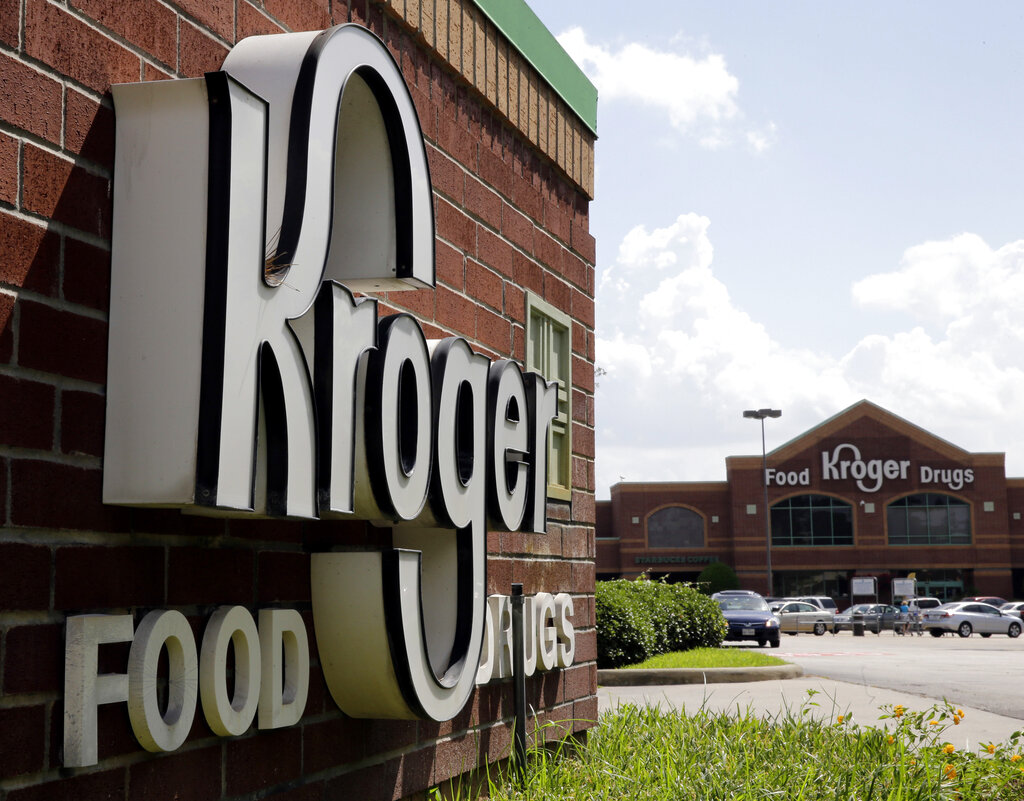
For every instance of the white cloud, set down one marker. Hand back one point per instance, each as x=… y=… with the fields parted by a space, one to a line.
x=683 y=361
x=697 y=93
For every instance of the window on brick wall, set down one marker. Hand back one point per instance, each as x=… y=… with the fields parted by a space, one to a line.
x=549 y=352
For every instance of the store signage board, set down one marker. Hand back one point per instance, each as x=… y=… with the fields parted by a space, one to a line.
x=845 y=463
x=245 y=379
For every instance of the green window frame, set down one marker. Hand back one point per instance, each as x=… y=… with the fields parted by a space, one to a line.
x=549 y=352
x=929 y=518
x=812 y=520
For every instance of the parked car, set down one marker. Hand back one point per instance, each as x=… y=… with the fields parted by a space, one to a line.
x=876 y=617
x=748 y=616
x=796 y=616
x=922 y=602
x=992 y=600
x=820 y=601
x=966 y=618
x=1013 y=608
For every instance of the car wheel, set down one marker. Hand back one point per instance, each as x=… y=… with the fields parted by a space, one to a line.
x=791 y=633
x=986 y=635
x=775 y=643
x=965 y=629
x=1014 y=630
x=819 y=628
x=761 y=643
x=935 y=632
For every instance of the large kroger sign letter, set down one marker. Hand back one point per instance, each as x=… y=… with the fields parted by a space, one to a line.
x=245 y=378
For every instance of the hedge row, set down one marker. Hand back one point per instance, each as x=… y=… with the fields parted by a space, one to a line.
x=640 y=619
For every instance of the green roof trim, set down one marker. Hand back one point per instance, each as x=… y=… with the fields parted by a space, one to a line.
x=516 y=20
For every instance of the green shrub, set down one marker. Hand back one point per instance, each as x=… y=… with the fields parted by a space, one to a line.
x=640 y=619
x=716 y=577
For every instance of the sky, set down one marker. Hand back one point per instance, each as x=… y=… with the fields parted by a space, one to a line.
x=800 y=205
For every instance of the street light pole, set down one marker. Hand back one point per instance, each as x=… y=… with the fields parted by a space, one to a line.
x=761 y=414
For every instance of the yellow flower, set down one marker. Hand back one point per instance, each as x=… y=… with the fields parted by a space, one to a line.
x=949 y=748
x=890 y=739
x=839 y=719
x=1015 y=758
x=950 y=771
x=898 y=710
x=960 y=712
x=933 y=723
x=956 y=720
x=991 y=748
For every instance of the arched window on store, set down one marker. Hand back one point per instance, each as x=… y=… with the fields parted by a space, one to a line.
x=816 y=520
x=675 y=527
x=929 y=518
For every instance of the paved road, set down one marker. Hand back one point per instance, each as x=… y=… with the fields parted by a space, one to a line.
x=985 y=674
x=848 y=674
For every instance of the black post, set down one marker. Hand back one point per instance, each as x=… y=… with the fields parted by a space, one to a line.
x=519 y=682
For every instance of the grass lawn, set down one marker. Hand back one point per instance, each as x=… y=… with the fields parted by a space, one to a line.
x=710 y=658
x=651 y=754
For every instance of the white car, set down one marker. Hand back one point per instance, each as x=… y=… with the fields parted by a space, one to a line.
x=797 y=616
x=965 y=618
x=1013 y=608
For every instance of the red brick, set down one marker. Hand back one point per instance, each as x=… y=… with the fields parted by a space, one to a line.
x=426 y=113
x=6 y=327
x=557 y=221
x=483 y=202
x=217 y=15
x=334 y=742
x=86 y=274
x=258 y=762
x=209 y=576
x=454 y=226
x=582 y=307
x=450 y=265
x=300 y=15
x=495 y=252
x=89 y=129
x=106 y=786
x=198 y=52
x=576 y=271
x=26 y=583
x=283 y=577
x=517 y=227
x=494 y=172
x=50 y=495
x=102 y=578
x=22 y=740
x=557 y=293
x=456 y=312
x=152 y=73
x=194 y=774
x=549 y=252
x=56 y=188
x=62 y=342
x=34 y=661
x=8 y=169
x=81 y=423
x=31 y=255
x=583 y=242
x=446 y=176
x=10 y=17
x=484 y=285
x=74 y=49
x=150 y=26
x=493 y=330
x=363 y=783
x=27 y=421
x=29 y=100
x=252 y=22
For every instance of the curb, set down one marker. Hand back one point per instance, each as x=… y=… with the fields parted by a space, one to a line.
x=648 y=678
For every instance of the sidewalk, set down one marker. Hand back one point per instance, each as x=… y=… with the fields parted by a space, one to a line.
x=775 y=697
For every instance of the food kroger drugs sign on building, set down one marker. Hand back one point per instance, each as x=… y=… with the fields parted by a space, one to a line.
x=245 y=379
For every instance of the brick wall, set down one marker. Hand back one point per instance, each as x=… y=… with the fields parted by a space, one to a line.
x=513 y=173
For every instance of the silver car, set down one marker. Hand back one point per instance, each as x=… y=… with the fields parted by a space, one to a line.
x=875 y=617
x=797 y=616
x=967 y=617
x=1013 y=608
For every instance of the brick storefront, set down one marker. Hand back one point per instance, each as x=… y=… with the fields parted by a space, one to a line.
x=511 y=163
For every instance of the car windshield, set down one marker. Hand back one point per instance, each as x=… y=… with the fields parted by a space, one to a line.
x=747 y=604
x=859 y=609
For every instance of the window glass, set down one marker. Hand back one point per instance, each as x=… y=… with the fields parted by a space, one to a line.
x=675 y=527
x=548 y=352
x=812 y=520
x=929 y=519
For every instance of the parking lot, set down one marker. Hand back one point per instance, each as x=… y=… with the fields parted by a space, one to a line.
x=984 y=673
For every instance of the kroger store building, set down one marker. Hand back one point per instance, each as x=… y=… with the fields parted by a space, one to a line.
x=296 y=370
x=865 y=493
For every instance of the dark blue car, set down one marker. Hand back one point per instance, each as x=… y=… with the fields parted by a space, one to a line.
x=748 y=616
